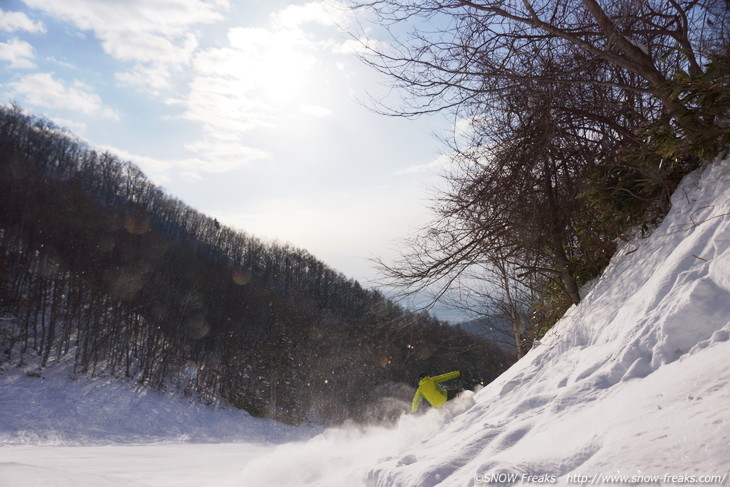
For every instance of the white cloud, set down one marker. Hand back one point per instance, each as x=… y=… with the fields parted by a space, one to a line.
x=250 y=83
x=330 y=13
x=222 y=107
x=263 y=79
x=361 y=45
x=155 y=32
x=12 y=21
x=295 y=15
x=60 y=62
x=75 y=126
x=219 y=157
x=214 y=157
x=435 y=166
x=18 y=53
x=42 y=90
x=267 y=73
x=107 y=19
x=154 y=78
x=150 y=47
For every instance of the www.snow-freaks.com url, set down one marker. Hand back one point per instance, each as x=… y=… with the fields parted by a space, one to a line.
x=598 y=479
x=602 y=479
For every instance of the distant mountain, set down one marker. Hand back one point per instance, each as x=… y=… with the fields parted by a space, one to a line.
x=498 y=332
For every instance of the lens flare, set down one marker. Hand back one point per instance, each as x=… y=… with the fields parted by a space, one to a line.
x=136 y=225
x=197 y=327
x=241 y=277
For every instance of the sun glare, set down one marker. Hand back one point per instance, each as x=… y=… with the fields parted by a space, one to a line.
x=274 y=64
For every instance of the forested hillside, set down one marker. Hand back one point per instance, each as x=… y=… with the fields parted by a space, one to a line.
x=101 y=267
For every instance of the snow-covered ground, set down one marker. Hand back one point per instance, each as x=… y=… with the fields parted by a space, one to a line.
x=631 y=387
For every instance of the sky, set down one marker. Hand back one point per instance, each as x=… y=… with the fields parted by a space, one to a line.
x=255 y=113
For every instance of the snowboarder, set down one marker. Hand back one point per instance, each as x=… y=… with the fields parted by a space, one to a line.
x=429 y=388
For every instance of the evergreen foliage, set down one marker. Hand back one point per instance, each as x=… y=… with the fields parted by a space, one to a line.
x=635 y=185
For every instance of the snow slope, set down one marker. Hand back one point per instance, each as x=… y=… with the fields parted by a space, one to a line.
x=631 y=387
x=633 y=381
x=50 y=409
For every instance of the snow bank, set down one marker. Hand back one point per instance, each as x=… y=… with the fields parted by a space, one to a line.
x=634 y=382
x=48 y=408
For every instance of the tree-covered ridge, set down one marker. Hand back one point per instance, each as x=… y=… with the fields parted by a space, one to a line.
x=98 y=263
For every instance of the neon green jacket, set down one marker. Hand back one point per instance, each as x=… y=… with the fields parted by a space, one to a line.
x=429 y=388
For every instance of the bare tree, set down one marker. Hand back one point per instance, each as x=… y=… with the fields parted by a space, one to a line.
x=508 y=217
x=550 y=90
x=452 y=53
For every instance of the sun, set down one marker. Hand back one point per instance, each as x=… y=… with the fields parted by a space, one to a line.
x=276 y=65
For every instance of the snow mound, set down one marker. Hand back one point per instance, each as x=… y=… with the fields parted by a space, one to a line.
x=633 y=382
x=47 y=408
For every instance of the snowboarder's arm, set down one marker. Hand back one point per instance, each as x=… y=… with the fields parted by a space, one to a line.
x=416 y=401
x=448 y=376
